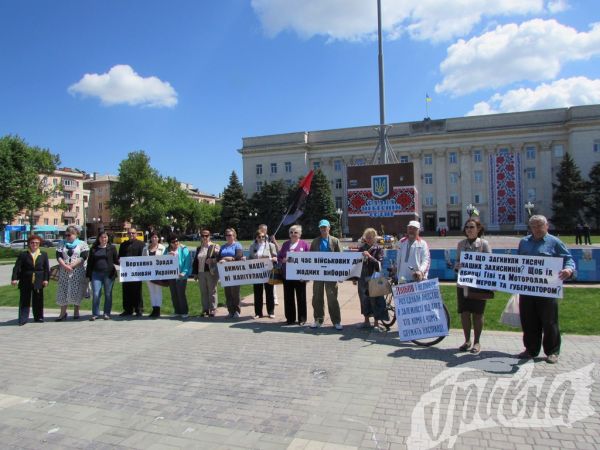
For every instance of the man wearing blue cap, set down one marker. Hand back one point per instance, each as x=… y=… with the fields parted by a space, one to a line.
x=325 y=243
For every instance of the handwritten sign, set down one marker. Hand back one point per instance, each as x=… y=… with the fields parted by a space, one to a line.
x=147 y=268
x=251 y=271
x=323 y=266
x=420 y=310
x=516 y=274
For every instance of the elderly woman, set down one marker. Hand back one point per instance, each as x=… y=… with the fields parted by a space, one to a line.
x=31 y=273
x=293 y=288
x=232 y=250
x=179 y=285
x=102 y=272
x=471 y=310
x=71 y=255
x=204 y=270
x=372 y=257
x=153 y=248
x=260 y=248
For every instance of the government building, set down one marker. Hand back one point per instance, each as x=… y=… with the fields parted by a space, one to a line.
x=497 y=163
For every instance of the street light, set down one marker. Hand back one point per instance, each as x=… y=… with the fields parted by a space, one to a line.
x=339 y=212
x=529 y=207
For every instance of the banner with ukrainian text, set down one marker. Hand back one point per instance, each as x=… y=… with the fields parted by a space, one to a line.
x=251 y=271
x=148 y=268
x=323 y=266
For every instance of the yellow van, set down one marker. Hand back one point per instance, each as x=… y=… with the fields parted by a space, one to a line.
x=121 y=236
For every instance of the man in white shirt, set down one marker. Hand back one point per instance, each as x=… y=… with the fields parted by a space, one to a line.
x=413 y=259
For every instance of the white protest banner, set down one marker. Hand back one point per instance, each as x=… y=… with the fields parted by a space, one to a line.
x=323 y=266
x=142 y=268
x=251 y=271
x=420 y=310
x=516 y=274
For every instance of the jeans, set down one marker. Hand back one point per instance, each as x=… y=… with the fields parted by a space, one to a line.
x=100 y=280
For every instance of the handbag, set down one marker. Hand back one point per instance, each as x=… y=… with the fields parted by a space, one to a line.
x=276 y=275
x=477 y=294
x=379 y=285
x=510 y=316
x=54 y=272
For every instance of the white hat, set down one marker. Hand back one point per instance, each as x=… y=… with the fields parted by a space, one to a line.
x=414 y=223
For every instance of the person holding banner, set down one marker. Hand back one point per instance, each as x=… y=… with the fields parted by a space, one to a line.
x=132 y=290
x=539 y=315
x=153 y=248
x=102 y=273
x=260 y=248
x=372 y=257
x=205 y=271
x=179 y=285
x=232 y=250
x=413 y=260
x=293 y=288
x=470 y=309
x=325 y=243
x=71 y=255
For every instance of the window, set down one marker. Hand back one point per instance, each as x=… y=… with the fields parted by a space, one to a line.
x=597 y=146
x=273 y=168
x=338 y=203
x=428 y=178
x=45 y=221
x=77 y=196
x=259 y=169
x=428 y=199
x=428 y=160
x=477 y=199
x=77 y=222
x=55 y=222
x=55 y=208
x=46 y=209
x=478 y=176
x=404 y=159
x=338 y=183
x=288 y=166
x=316 y=165
x=337 y=165
x=454 y=199
x=531 y=195
x=100 y=206
x=77 y=209
x=530 y=171
x=454 y=177
x=530 y=152
x=67 y=196
x=69 y=182
x=559 y=150
x=359 y=162
x=477 y=156
x=452 y=158
x=259 y=186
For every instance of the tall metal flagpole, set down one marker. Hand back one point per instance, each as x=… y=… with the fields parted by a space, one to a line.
x=383 y=152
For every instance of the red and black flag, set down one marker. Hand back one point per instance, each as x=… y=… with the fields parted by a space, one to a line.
x=296 y=209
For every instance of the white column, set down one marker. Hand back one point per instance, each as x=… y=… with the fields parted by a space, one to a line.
x=440 y=179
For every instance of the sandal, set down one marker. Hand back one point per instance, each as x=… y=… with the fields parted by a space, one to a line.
x=476 y=349
x=465 y=346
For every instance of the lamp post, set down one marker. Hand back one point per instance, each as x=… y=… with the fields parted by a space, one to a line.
x=529 y=207
x=339 y=212
x=252 y=215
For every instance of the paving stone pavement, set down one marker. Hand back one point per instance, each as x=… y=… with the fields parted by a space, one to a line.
x=246 y=384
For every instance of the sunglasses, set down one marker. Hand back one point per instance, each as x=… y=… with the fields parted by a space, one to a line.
x=470 y=226
x=205 y=235
x=68 y=234
x=228 y=235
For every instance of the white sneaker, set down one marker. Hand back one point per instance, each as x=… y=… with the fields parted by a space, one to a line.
x=276 y=302
x=185 y=316
x=316 y=324
x=338 y=326
x=236 y=315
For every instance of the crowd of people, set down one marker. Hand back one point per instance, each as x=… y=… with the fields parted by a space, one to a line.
x=80 y=267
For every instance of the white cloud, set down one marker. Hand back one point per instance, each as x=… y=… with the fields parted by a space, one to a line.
x=557 y=6
x=123 y=85
x=559 y=94
x=357 y=19
x=534 y=50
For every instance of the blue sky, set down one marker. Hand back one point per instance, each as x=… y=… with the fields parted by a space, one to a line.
x=185 y=80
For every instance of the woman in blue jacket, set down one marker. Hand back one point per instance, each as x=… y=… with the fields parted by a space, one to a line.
x=179 y=285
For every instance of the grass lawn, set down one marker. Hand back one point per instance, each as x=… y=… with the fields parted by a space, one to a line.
x=9 y=296
x=569 y=239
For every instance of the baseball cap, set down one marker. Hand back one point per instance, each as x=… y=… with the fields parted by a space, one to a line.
x=414 y=223
x=324 y=223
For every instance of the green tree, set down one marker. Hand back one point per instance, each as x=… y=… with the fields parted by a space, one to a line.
x=235 y=208
x=23 y=177
x=270 y=204
x=319 y=205
x=568 y=194
x=210 y=217
x=593 y=195
x=140 y=194
x=184 y=210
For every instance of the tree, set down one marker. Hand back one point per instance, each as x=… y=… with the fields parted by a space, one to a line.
x=210 y=216
x=593 y=195
x=568 y=195
x=319 y=205
x=235 y=205
x=23 y=177
x=270 y=204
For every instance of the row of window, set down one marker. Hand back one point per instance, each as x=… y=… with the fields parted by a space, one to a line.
x=453 y=199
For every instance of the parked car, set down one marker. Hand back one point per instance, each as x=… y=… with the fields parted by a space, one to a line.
x=49 y=243
x=91 y=240
x=18 y=243
x=218 y=236
x=192 y=237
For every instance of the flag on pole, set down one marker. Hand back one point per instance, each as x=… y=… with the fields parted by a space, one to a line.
x=427 y=98
x=296 y=209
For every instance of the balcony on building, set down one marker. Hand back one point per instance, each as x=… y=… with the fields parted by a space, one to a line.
x=69 y=187
x=69 y=214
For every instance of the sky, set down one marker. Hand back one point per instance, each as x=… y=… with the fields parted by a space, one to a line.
x=186 y=80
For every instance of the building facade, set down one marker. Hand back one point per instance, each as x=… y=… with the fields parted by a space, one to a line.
x=497 y=163
x=98 y=215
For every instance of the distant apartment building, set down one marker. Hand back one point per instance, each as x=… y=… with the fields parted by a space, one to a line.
x=197 y=195
x=98 y=215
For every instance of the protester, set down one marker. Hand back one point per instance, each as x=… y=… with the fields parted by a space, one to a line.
x=153 y=248
x=325 y=243
x=413 y=259
x=71 y=255
x=261 y=248
x=263 y=227
x=32 y=273
x=372 y=257
x=539 y=315
x=179 y=285
x=132 y=290
x=587 y=234
x=578 y=234
x=232 y=250
x=204 y=270
x=293 y=288
x=102 y=272
x=471 y=310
